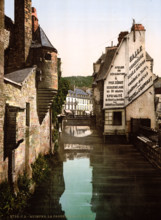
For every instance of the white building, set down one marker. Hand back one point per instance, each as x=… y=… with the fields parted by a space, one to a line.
x=79 y=102
x=128 y=83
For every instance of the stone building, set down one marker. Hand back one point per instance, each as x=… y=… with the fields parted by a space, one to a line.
x=28 y=86
x=123 y=84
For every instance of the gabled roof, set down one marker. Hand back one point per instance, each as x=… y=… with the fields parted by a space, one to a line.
x=41 y=40
x=19 y=77
x=107 y=63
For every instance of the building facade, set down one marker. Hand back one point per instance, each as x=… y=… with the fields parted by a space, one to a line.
x=79 y=102
x=29 y=82
x=126 y=75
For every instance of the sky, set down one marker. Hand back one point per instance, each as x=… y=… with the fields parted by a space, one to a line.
x=81 y=29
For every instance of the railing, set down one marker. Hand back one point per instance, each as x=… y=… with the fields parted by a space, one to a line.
x=150 y=133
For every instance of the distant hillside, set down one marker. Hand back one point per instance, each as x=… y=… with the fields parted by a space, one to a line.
x=80 y=81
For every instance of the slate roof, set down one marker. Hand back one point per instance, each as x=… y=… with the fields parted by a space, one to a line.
x=19 y=76
x=106 y=64
x=101 y=59
x=78 y=92
x=41 y=40
x=70 y=92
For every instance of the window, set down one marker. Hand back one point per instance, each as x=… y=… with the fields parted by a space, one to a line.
x=47 y=56
x=109 y=118
x=117 y=118
x=27 y=114
x=114 y=118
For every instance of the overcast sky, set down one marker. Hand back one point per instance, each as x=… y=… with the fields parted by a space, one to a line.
x=81 y=29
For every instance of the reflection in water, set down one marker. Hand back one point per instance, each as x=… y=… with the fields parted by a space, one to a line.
x=77 y=147
x=77 y=196
x=45 y=202
x=124 y=185
x=99 y=182
x=78 y=131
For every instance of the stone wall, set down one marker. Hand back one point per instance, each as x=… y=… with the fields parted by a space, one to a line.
x=3 y=167
x=36 y=137
x=18 y=55
x=23 y=29
x=98 y=104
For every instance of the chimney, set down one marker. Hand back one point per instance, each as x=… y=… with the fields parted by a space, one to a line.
x=137 y=27
x=35 y=21
x=23 y=30
x=121 y=36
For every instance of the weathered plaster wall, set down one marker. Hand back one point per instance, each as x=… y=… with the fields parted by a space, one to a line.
x=36 y=137
x=142 y=107
x=114 y=129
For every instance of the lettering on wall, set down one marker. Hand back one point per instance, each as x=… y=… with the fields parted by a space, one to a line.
x=139 y=77
x=114 y=91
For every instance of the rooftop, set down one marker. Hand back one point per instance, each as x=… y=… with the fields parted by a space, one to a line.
x=79 y=92
x=19 y=76
x=107 y=63
x=41 y=40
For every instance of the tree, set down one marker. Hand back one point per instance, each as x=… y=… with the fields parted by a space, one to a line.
x=63 y=87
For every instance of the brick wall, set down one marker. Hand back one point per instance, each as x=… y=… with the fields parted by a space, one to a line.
x=35 y=22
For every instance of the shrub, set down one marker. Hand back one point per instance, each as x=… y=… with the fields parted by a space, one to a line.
x=6 y=199
x=40 y=169
x=24 y=182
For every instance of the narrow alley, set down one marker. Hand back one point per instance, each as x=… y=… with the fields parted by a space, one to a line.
x=93 y=180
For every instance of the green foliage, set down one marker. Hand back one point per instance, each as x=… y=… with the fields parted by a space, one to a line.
x=55 y=135
x=24 y=182
x=63 y=87
x=56 y=146
x=11 y=203
x=79 y=81
x=6 y=199
x=40 y=169
x=15 y=204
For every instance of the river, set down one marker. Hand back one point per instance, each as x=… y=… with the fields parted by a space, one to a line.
x=95 y=181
